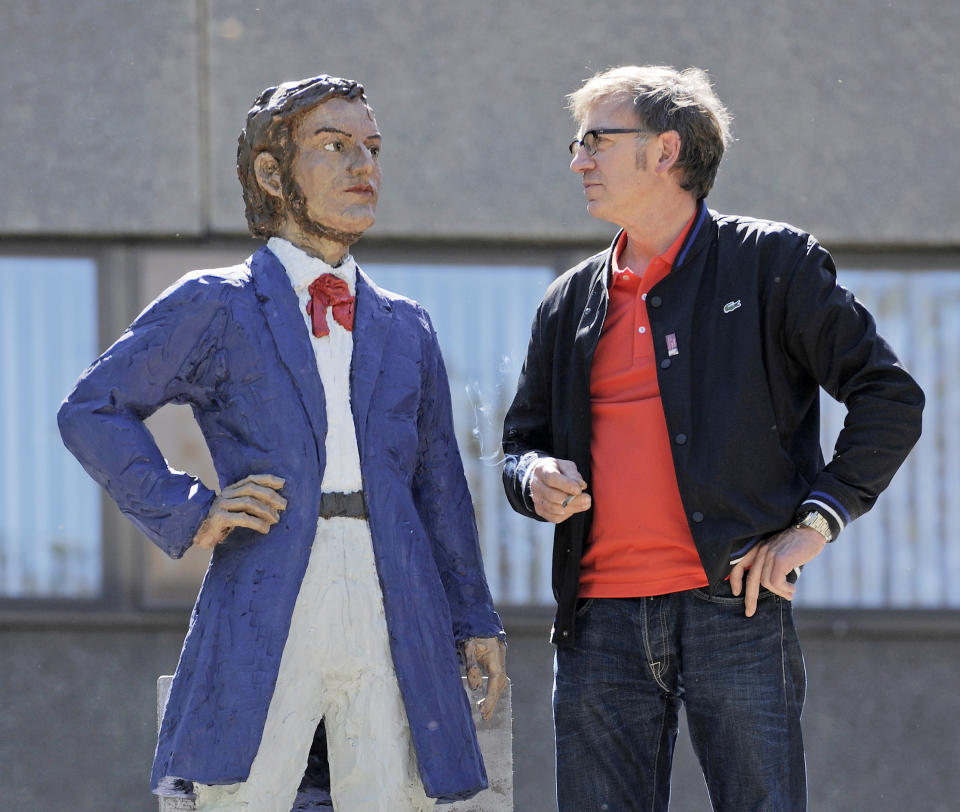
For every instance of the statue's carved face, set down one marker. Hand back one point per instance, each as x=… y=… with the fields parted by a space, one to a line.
x=337 y=164
x=330 y=192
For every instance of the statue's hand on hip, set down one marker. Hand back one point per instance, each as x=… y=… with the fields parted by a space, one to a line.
x=252 y=502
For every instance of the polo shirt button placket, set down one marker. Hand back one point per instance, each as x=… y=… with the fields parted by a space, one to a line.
x=656 y=301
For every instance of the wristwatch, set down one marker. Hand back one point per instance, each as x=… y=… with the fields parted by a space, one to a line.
x=816 y=521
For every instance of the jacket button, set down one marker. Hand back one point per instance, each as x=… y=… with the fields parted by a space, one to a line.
x=681 y=439
x=655 y=301
x=697 y=516
x=665 y=363
x=566 y=634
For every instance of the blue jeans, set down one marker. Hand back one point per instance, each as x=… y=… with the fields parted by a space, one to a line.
x=618 y=691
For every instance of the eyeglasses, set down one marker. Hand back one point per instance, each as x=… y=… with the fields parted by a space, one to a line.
x=589 y=139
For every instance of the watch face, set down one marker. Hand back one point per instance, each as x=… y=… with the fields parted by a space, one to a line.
x=818 y=522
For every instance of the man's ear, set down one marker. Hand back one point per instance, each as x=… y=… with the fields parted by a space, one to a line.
x=669 y=150
x=267 y=170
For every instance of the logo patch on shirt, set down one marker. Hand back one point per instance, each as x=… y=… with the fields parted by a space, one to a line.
x=729 y=307
x=672 y=344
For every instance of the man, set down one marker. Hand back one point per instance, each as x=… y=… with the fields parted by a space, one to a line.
x=346 y=566
x=667 y=422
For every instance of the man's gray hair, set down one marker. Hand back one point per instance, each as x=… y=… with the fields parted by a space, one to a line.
x=269 y=128
x=663 y=99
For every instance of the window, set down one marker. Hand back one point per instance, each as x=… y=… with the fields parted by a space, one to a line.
x=50 y=527
x=902 y=553
x=899 y=555
x=482 y=315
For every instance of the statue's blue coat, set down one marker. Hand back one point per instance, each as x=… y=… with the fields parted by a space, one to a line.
x=232 y=343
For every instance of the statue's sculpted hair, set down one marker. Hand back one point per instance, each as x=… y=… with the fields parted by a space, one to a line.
x=269 y=128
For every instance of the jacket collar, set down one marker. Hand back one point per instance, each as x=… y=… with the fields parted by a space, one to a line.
x=281 y=309
x=697 y=239
x=371 y=327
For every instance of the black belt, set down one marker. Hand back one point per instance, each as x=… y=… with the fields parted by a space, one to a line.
x=347 y=505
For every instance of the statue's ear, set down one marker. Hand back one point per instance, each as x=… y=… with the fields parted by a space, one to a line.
x=268 y=174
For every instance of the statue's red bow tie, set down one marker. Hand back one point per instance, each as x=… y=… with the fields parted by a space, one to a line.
x=328 y=290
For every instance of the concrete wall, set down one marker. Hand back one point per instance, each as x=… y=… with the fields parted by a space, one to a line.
x=121 y=118
x=77 y=724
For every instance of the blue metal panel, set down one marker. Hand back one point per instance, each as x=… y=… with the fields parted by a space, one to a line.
x=902 y=553
x=50 y=530
x=482 y=315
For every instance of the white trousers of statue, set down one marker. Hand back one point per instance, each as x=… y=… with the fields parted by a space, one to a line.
x=336 y=664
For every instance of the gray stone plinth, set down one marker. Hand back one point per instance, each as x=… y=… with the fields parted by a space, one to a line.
x=496 y=744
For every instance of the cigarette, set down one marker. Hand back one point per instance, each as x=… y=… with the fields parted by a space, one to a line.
x=566 y=501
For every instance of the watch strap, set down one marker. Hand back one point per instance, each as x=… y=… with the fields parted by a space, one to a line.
x=815 y=520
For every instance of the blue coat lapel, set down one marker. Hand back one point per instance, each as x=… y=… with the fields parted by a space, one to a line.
x=371 y=326
x=281 y=309
x=372 y=321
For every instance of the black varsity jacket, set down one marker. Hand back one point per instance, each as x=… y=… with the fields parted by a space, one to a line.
x=747 y=326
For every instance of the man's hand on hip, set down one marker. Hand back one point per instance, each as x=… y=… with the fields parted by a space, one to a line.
x=252 y=502
x=557 y=489
x=769 y=563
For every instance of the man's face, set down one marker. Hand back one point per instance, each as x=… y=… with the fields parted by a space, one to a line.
x=334 y=180
x=617 y=182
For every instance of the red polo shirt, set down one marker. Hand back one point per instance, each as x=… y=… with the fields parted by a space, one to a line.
x=640 y=543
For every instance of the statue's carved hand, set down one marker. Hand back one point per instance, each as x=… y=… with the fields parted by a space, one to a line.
x=251 y=502
x=488 y=654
